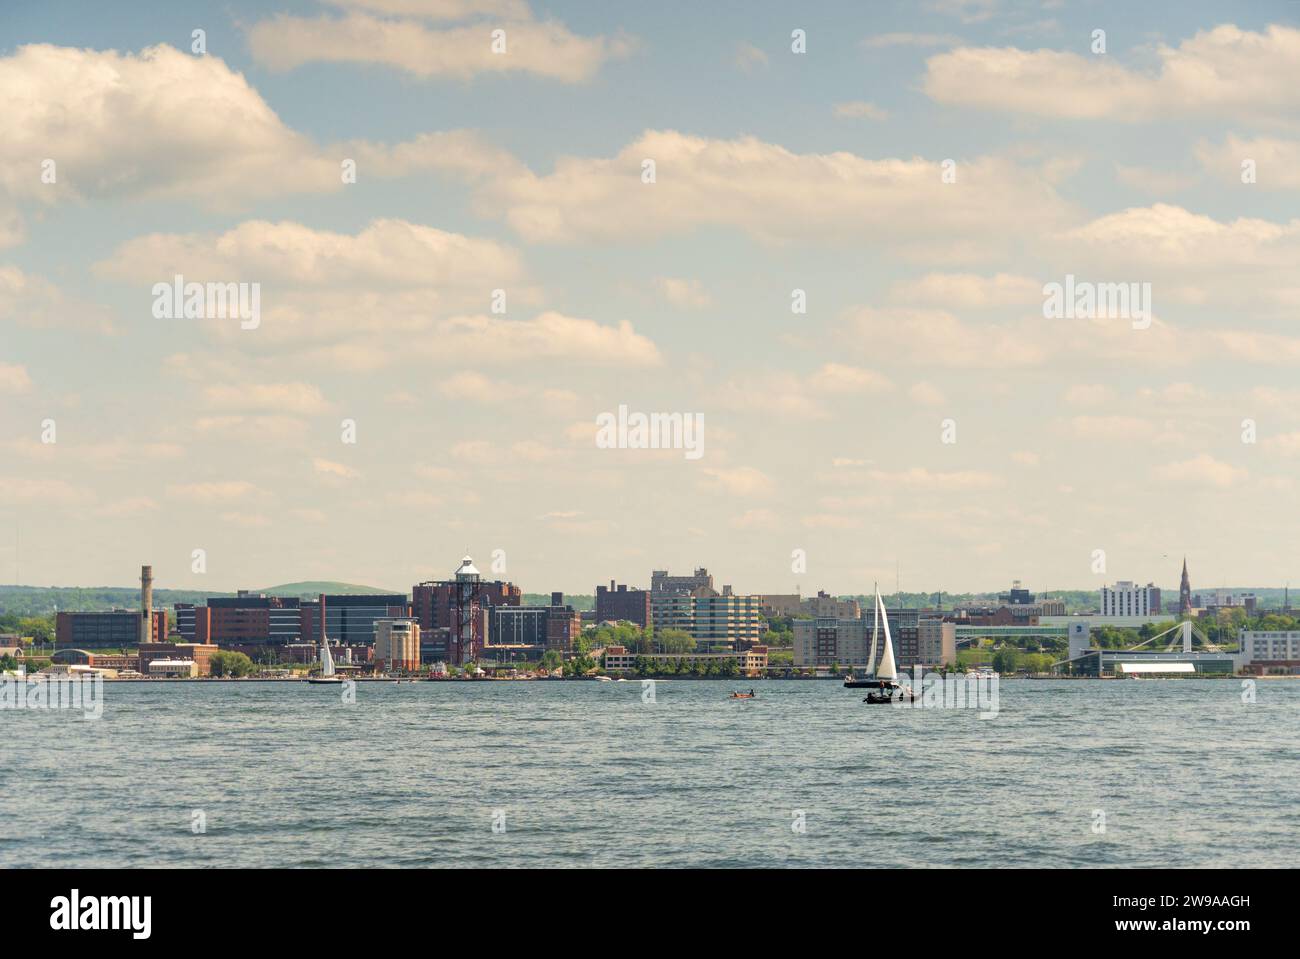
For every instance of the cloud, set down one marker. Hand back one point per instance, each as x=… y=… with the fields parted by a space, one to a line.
x=494 y=339
x=1088 y=394
x=748 y=57
x=301 y=398
x=926 y=394
x=333 y=470
x=739 y=481
x=969 y=290
x=840 y=378
x=1276 y=161
x=687 y=294
x=860 y=110
x=54 y=492
x=212 y=492
x=14 y=378
x=919 y=477
x=1203 y=470
x=775 y=195
x=166 y=124
x=1225 y=71
x=33 y=301
x=540 y=48
x=882 y=40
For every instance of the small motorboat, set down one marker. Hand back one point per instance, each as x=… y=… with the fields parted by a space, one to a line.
x=749 y=695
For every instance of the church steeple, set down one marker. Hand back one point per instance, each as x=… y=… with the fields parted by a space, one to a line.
x=1185 y=592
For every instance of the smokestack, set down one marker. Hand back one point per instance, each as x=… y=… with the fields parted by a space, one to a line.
x=146 y=604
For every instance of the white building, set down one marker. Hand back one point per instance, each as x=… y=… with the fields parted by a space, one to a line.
x=1264 y=651
x=1126 y=599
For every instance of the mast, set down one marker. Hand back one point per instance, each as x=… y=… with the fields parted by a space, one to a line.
x=875 y=627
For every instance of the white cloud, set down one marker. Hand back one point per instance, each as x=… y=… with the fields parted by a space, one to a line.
x=301 y=398
x=776 y=195
x=540 y=48
x=926 y=394
x=739 y=481
x=840 y=378
x=33 y=301
x=968 y=290
x=687 y=294
x=1203 y=470
x=14 y=378
x=333 y=470
x=1225 y=71
x=860 y=110
x=212 y=492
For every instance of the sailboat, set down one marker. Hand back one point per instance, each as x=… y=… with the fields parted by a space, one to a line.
x=326 y=677
x=887 y=673
x=849 y=681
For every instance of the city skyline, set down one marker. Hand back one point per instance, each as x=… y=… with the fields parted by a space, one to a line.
x=923 y=420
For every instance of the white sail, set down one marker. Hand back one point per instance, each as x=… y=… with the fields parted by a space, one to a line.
x=875 y=628
x=326 y=660
x=887 y=668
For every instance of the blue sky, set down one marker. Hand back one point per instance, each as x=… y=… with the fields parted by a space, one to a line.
x=776 y=171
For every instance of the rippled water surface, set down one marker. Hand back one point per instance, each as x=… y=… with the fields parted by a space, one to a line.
x=588 y=774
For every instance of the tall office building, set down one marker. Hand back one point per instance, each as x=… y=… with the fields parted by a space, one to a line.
x=618 y=602
x=397 y=645
x=847 y=642
x=719 y=622
x=1127 y=599
x=350 y=617
x=661 y=582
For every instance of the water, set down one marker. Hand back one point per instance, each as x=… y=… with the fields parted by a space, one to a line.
x=589 y=775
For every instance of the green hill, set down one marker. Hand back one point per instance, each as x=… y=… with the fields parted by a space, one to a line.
x=312 y=589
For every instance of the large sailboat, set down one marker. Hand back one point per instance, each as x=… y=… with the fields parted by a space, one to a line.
x=327 y=676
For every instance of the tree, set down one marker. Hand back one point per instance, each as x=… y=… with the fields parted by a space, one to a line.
x=1006 y=659
x=676 y=641
x=230 y=664
x=552 y=660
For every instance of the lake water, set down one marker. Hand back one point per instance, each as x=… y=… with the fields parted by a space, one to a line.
x=586 y=773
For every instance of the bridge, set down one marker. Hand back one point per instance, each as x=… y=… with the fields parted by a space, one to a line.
x=973 y=634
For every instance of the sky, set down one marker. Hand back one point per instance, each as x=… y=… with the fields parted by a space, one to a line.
x=438 y=335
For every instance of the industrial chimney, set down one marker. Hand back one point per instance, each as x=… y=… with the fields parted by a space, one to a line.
x=146 y=604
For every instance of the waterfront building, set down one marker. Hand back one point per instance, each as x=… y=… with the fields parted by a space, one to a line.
x=618 y=602
x=718 y=621
x=461 y=605
x=1269 y=651
x=1127 y=599
x=249 y=619
x=781 y=604
x=847 y=642
x=397 y=645
x=173 y=668
x=750 y=661
x=112 y=629
x=825 y=606
x=350 y=617
x=198 y=654
x=936 y=641
x=661 y=582
x=525 y=629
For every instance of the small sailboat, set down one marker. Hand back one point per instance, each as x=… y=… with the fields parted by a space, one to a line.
x=849 y=681
x=886 y=680
x=326 y=677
